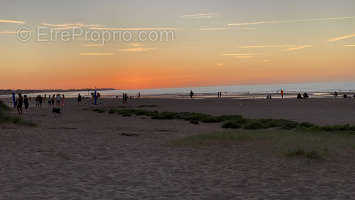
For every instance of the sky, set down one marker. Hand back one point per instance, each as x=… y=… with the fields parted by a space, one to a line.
x=138 y=44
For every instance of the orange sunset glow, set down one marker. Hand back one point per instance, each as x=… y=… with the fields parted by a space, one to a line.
x=253 y=43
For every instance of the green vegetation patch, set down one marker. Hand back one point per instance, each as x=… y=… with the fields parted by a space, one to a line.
x=6 y=118
x=230 y=121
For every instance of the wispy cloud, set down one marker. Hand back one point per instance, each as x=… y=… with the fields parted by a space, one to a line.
x=134 y=44
x=349 y=45
x=199 y=16
x=7 y=32
x=93 y=45
x=138 y=49
x=71 y=26
x=101 y=27
x=215 y=29
x=298 y=48
x=11 y=21
x=220 y=64
x=237 y=54
x=243 y=57
x=342 y=38
x=96 y=54
x=329 y=19
x=264 y=46
x=226 y=28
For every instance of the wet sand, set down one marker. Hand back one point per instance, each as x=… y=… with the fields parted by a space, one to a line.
x=81 y=154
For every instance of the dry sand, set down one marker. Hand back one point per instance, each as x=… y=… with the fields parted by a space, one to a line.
x=81 y=154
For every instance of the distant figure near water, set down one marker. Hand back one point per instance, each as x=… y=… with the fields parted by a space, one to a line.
x=299 y=96
x=191 y=94
x=25 y=101
x=58 y=100
x=79 y=99
x=19 y=103
x=305 y=95
x=282 y=93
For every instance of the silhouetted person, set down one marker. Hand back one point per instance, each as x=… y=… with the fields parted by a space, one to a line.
x=49 y=100
x=305 y=95
x=40 y=99
x=19 y=103
x=345 y=96
x=63 y=99
x=282 y=93
x=79 y=99
x=25 y=101
x=299 y=96
x=191 y=94
x=53 y=99
x=58 y=100
x=37 y=101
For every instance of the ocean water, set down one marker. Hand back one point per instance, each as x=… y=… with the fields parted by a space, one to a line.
x=321 y=89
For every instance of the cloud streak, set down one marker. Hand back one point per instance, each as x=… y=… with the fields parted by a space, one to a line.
x=11 y=21
x=199 y=16
x=215 y=29
x=264 y=46
x=349 y=45
x=101 y=27
x=226 y=28
x=71 y=26
x=342 y=38
x=298 y=48
x=237 y=54
x=96 y=54
x=330 y=19
x=138 y=49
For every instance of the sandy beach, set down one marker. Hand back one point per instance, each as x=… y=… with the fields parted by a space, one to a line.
x=81 y=154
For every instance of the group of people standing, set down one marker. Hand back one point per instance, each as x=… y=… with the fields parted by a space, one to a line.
x=24 y=101
x=57 y=100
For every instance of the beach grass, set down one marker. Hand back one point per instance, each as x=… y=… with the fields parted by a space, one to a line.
x=231 y=121
x=296 y=143
x=6 y=118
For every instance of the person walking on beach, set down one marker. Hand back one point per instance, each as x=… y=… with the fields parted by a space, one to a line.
x=49 y=100
x=191 y=94
x=58 y=100
x=282 y=93
x=53 y=100
x=79 y=99
x=40 y=99
x=25 y=101
x=63 y=98
x=19 y=103
x=37 y=101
